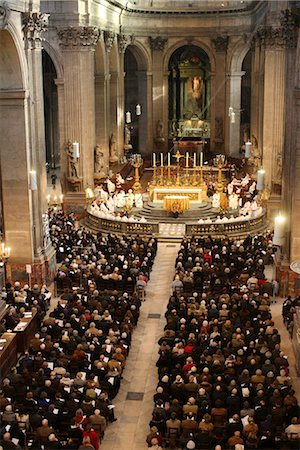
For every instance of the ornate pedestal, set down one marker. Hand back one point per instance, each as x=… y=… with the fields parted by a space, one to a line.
x=194 y=194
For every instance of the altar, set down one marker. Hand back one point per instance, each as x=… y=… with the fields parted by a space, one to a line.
x=193 y=194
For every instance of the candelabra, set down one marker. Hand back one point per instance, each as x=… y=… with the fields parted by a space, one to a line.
x=136 y=162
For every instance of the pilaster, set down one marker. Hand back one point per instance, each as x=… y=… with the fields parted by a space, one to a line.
x=78 y=46
x=235 y=103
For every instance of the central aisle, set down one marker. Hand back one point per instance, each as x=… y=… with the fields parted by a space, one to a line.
x=134 y=402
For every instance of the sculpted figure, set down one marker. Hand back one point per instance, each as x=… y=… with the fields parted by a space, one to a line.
x=113 y=157
x=98 y=160
x=73 y=161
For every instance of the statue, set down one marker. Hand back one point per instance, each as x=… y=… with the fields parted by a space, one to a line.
x=159 y=137
x=73 y=161
x=46 y=230
x=255 y=156
x=98 y=160
x=278 y=170
x=219 y=129
x=127 y=138
x=113 y=157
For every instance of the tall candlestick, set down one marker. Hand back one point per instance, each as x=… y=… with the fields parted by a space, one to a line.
x=161 y=159
x=260 y=180
x=154 y=160
x=187 y=159
x=201 y=159
x=195 y=162
x=169 y=159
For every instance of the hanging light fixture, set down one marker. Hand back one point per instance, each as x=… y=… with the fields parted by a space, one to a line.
x=138 y=109
x=128 y=117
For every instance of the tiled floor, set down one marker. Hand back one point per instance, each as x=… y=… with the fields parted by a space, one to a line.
x=140 y=375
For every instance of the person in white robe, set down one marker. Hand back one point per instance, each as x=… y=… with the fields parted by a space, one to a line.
x=130 y=198
x=216 y=200
x=111 y=187
x=138 y=200
x=110 y=204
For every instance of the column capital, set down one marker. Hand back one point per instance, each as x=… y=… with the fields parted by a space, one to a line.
x=158 y=43
x=33 y=25
x=109 y=39
x=220 y=43
x=124 y=40
x=4 y=15
x=76 y=37
x=238 y=74
x=283 y=36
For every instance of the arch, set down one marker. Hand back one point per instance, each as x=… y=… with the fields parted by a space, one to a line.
x=184 y=42
x=238 y=54
x=141 y=55
x=10 y=65
x=55 y=57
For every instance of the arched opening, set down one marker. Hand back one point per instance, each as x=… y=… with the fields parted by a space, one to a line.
x=189 y=93
x=135 y=94
x=50 y=112
x=14 y=159
x=246 y=98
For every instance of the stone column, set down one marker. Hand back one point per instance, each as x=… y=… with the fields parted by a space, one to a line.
x=220 y=43
x=273 y=120
x=235 y=103
x=294 y=192
x=143 y=118
x=159 y=91
x=78 y=46
x=255 y=92
x=102 y=132
x=34 y=24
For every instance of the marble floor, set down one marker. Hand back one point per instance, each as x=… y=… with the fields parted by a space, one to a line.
x=140 y=374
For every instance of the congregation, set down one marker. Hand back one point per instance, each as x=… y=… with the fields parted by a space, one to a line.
x=60 y=393
x=223 y=379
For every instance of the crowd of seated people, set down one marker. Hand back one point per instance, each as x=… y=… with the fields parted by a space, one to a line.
x=60 y=393
x=288 y=311
x=224 y=380
x=111 y=263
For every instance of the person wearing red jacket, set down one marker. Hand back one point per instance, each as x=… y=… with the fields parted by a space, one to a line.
x=92 y=434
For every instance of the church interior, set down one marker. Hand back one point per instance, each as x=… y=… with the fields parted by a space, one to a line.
x=150 y=243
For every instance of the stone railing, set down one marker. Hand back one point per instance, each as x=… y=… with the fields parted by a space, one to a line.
x=115 y=226
x=219 y=229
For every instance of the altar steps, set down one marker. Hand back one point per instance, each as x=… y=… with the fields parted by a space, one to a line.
x=158 y=214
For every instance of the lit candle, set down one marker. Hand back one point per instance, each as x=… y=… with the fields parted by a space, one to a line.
x=230 y=111
x=195 y=162
x=128 y=117
x=138 y=110
x=76 y=149
x=169 y=159
x=232 y=117
x=161 y=159
x=154 y=160
x=279 y=230
x=187 y=159
x=201 y=159
x=248 y=149
x=260 y=180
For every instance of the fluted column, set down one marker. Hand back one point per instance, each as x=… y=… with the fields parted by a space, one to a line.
x=78 y=45
x=273 y=122
x=101 y=119
x=159 y=90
